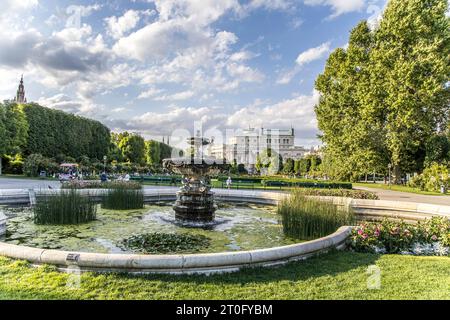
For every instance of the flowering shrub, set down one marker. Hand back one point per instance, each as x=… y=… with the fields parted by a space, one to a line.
x=79 y=184
x=430 y=236
x=432 y=178
x=355 y=194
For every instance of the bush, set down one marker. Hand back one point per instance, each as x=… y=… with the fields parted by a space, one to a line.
x=77 y=184
x=354 y=194
x=432 y=178
x=120 y=197
x=166 y=243
x=35 y=163
x=305 y=218
x=307 y=184
x=66 y=207
x=400 y=237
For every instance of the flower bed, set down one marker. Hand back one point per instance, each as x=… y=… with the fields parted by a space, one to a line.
x=345 y=193
x=428 y=237
x=79 y=184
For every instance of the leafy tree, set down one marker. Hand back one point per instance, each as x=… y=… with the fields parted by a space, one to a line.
x=53 y=133
x=153 y=153
x=387 y=94
x=288 y=166
x=409 y=75
x=437 y=150
x=35 y=163
x=13 y=130
x=269 y=162
x=133 y=148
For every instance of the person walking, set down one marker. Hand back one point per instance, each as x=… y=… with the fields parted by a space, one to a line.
x=229 y=182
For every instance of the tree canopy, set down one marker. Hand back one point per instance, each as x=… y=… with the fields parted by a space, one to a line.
x=386 y=95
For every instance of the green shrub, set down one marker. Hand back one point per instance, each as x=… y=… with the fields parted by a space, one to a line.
x=66 y=207
x=345 y=193
x=35 y=163
x=120 y=197
x=307 y=184
x=432 y=178
x=305 y=218
x=76 y=184
x=166 y=243
x=396 y=237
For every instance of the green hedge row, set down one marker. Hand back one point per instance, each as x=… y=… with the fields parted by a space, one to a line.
x=308 y=184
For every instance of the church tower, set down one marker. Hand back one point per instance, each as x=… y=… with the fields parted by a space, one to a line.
x=20 y=96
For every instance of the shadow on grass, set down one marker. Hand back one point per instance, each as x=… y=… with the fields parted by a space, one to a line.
x=329 y=264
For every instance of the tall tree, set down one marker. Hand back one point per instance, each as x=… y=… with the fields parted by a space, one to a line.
x=133 y=148
x=153 y=153
x=384 y=96
x=13 y=130
x=410 y=76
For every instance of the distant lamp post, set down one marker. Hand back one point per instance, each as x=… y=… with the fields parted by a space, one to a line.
x=389 y=167
x=105 y=158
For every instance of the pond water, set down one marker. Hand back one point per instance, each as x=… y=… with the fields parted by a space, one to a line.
x=237 y=227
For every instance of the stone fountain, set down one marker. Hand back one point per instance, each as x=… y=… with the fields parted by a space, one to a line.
x=195 y=200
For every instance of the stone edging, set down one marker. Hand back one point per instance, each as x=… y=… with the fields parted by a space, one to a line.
x=218 y=262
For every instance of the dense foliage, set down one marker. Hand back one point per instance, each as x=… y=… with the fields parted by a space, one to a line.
x=66 y=207
x=53 y=132
x=77 y=184
x=431 y=236
x=305 y=218
x=433 y=178
x=166 y=243
x=386 y=96
x=345 y=193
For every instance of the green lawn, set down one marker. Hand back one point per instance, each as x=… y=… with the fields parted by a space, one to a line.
x=337 y=275
x=397 y=188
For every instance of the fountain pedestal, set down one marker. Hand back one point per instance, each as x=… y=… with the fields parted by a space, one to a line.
x=195 y=200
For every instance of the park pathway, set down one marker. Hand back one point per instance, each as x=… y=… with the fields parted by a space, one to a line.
x=391 y=195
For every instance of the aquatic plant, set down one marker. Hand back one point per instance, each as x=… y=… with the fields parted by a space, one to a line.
x=120 y=197
x=306 y=218
x=65 y=207
x=166 y=243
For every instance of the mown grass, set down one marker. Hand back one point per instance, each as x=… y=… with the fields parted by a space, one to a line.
x=398 y=188
x=306 y=218
x=337 y=275
x=63 y=208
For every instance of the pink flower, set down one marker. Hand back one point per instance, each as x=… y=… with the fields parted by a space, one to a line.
x=360 y=232
x=434 y=238
x=365 y=236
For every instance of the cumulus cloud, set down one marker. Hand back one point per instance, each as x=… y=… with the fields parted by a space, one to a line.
x=313 y=54
x=119 y=26
x=304 y=58
x=338 y=7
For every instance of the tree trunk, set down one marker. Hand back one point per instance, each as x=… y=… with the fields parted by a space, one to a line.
x=1 y=166
x=397 y=174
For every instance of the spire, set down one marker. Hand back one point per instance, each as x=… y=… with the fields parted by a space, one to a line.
x=20 y=95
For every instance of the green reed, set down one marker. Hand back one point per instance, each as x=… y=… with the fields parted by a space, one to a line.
x=65 y=207
x=306 y=218
x=120 y=197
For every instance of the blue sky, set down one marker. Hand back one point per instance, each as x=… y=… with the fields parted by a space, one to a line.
x=154 y=67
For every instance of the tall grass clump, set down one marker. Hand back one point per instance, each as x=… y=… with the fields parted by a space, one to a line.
x=66 y=207
x=122 y=197
x=306 y=218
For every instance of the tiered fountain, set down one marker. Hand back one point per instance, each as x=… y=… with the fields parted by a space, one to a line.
x=195 y=200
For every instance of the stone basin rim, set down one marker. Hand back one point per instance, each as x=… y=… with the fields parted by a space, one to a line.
x=219 y=262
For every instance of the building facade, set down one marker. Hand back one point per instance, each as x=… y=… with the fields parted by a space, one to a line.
x=246 y=145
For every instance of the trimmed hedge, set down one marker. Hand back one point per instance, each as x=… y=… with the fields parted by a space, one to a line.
x=310 y=184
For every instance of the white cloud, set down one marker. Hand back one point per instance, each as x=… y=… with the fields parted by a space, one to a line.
x=313 y=54
x=179 y=96
x=119 y=26
x=339 y=7
x=304 y=58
